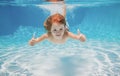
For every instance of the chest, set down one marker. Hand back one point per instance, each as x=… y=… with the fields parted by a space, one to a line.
x=63 y=40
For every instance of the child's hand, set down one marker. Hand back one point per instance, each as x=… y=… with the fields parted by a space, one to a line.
x=32 y=41
x=82 y=38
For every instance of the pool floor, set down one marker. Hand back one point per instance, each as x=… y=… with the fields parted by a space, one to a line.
x=92 y=58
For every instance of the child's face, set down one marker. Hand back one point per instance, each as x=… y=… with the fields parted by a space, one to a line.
x=57 y=30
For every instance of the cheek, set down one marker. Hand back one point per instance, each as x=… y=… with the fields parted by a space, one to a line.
x=53 y=33
x=62 y=31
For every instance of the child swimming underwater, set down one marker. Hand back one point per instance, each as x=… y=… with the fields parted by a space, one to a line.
x=56 y=31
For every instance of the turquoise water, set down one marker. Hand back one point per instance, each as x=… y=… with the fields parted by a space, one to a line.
x=98 y=56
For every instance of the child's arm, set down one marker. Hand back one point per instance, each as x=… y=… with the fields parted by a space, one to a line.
x=33 y=41
x=80 y=37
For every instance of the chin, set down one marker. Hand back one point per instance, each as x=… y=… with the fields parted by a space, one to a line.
x=58 y=38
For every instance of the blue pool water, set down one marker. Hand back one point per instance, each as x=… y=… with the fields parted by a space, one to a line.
x=98 y=56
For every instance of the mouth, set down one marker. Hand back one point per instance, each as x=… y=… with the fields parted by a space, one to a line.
x=58 y=35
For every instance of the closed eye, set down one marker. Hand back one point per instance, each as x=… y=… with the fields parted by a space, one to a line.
x=61 y=29
x=54 y=30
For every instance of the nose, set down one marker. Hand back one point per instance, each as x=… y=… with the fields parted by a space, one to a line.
x=58 y=32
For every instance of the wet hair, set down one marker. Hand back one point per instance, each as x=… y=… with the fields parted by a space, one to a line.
x=58 y=18
x=57 y=0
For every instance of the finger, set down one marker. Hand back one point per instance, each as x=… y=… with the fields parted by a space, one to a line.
x=33 y=35
x=33 y=39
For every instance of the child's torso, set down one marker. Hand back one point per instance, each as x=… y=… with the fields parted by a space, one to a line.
x=59 y=41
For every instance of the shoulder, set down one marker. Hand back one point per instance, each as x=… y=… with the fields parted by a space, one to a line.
x=45 y=35
x=69 y=33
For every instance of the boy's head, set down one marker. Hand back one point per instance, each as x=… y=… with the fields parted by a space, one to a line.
x=55 y=24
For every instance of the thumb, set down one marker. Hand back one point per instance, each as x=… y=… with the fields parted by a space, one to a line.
x=78 y=31
x=33 y=37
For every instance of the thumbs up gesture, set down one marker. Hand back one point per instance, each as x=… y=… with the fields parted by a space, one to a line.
x=33 y=40
x=81 y=36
